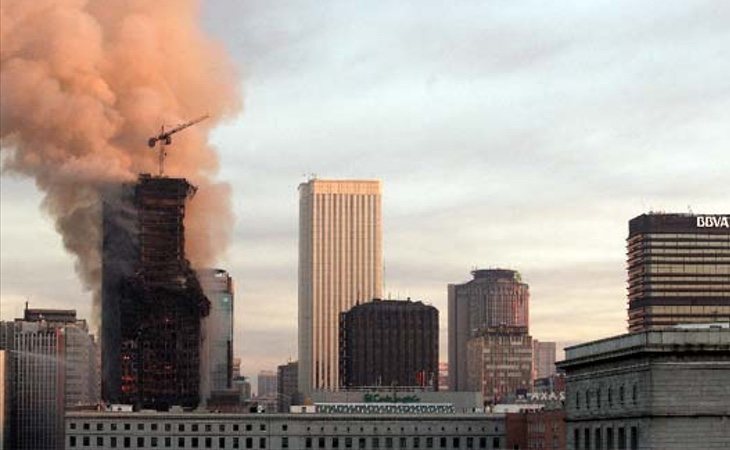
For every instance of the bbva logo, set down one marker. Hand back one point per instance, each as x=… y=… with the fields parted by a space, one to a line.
x=713 y=222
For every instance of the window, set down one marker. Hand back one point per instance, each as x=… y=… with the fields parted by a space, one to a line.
x=576 y=439
x=181 y=427
x=599 y=439
x=128 y=442
x=72 y=441
x=87 y=426
x=285 y=442
x=208 y=427
x=262 y=442
x=208 y=442
x=598 y=398
x=495 y=442
x=236 y=442
x=633 y=394
x=348 y=442
x=308 y=442
x=456 y=442
x=128 y=426
x=587 y=439
x=153 y=442
x=235 y=427
x=153 y=427
x=194 y=427
x=113 y=442
x=221 y=428
x=335 y=443
x=482 y=442
x=113 y=426
x=389 y=442
x=588 y=399
x=262 y=427
x=403 y=442
x=99 y=427
x=621 y=438
x=168 y=427
x=85 y=441
x=168 y=442
x=284 y=427
x=180 y=442
x=194 y=442
x=621 y=396
x=72 y=425
x=248 y=427
x=610 y=397
x=429 y=442
x=442 y=442
x=470 y=442
x=99 y=441
x=577 y=400
x=416 y=442
x=321 y=442
x=376 y=442
x=140 y=442
x=249 y=442
x=221 y=442
x=634 y=438
x=361 y=443
x=140 y=426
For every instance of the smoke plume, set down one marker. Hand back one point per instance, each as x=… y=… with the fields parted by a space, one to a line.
x=85 y=83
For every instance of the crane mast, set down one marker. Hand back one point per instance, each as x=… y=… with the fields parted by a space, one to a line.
x=165 y=138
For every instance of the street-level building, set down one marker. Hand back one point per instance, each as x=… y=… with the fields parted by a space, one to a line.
x=145 y=430
x=662 y=389
x=678 y=270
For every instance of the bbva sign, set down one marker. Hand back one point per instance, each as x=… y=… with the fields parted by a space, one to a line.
x=713 y=222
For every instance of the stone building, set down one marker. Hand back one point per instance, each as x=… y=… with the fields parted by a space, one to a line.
x=113 y=430
x=663 y=389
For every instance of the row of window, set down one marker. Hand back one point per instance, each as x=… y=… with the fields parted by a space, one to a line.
x=605 y=439
x=166 y=442
x=181 y=427
x=589 y=396
x=261 y=443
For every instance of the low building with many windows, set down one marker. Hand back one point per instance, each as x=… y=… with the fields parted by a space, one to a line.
x=152 y=430
x=664 y=389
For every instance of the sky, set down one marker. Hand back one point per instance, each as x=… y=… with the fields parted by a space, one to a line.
x=517 y=134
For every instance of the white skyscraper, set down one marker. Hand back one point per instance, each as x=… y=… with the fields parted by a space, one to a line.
x=340 y=265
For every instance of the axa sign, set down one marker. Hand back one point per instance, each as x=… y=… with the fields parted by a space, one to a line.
x=713 y=222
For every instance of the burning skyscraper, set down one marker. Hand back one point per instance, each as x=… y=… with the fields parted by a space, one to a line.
x=152 y=301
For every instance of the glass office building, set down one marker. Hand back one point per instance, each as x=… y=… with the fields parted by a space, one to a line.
x=678 y=270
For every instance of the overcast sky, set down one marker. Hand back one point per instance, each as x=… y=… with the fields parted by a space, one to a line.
x=519 y=134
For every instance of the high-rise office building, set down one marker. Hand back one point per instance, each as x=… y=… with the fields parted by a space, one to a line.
x=678 y=270
x=494 y=297
x=51 y=367
x=287 y=386
x=389 y=343
x=543 y=354
x=152 y=301
x=216 y=352
x=266 y=382
x=340 y=264
x=499 y=362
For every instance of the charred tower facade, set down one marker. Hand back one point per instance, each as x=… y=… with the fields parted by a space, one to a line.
x=152 y=301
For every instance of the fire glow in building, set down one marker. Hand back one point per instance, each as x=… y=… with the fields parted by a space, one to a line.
x=152 y=302
x=340 y=264
x=678 y=270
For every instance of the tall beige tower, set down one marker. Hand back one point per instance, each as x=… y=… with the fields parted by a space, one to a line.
x=340 y=265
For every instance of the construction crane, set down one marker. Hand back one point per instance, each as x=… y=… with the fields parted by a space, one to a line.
x=165 y=138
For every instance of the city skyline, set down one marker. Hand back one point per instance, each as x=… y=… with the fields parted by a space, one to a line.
x=542 y=180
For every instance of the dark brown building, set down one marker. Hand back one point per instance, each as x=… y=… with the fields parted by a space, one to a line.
x=543 y=429
x=389 y=343
x=678 y=270
x=152 y=302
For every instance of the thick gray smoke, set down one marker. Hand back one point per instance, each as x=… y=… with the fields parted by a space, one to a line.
x=84 y=83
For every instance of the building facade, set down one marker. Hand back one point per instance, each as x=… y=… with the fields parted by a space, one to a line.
x=51 y=366
x=217 y=332
x=389 y=343
x=152 y=301
x=500 y=363
x=266 y=382
x=544 y=358
x=662 y=389
x=678 y=270
x=492 y=298
x=101 y=431
x=340 y=265
x=542 y=429
x=287 y=386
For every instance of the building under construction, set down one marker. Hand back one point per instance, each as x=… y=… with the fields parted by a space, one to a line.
x=152 y=302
